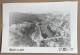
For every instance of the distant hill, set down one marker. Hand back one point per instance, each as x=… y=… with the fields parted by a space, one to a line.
x=16 y=17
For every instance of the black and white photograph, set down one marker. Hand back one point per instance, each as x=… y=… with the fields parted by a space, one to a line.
x=39 y=30
x=47 y=27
